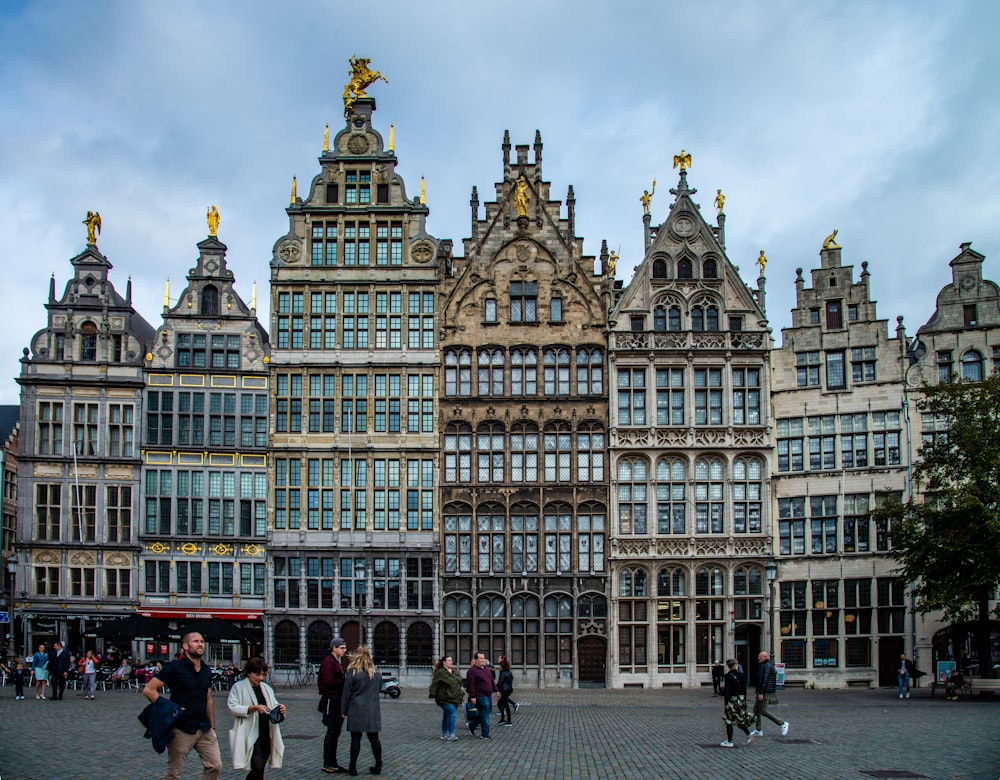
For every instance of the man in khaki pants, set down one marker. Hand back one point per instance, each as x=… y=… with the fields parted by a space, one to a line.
x=767 y=678
x=190 y=683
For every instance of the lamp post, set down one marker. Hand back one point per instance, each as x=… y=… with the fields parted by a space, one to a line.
x=771 y=572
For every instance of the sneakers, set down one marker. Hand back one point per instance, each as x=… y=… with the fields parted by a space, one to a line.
x=784 y=728
x=907 y=695
x=727 y=743
x=515 y=707
x=901 y=696
x=750 y=736
x=507 y=723
x=484 y=737
x=757 y=733
x=444 y=736
x=472 y=728
x=452 y=738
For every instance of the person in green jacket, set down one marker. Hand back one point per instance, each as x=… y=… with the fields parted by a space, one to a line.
x=446 y=690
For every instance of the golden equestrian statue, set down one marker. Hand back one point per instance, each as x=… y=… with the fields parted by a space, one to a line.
x=362 y=77
x=682 y=160
x=213 y=221
x=762 y=261
x=830 y=241
x=720 y=201
x=646 y=197
x=93 y=223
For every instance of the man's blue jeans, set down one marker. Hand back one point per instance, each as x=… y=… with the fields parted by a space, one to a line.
x=448 y=720
x=904 y=683
x=483 y=705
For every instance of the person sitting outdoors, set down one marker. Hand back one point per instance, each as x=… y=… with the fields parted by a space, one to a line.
x=122 y=673
x=954 y=685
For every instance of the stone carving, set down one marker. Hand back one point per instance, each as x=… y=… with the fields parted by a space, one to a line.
x=289 y=250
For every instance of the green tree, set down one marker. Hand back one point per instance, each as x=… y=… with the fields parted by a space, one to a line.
x=948 y=542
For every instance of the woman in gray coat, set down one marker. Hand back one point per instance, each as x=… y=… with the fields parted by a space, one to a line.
x=360 y=705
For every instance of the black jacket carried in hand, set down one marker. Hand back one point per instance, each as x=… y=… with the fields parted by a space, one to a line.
x=158 y=718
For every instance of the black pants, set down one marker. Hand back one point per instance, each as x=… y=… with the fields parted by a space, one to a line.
x=376 y=746
x=258 y=759
x=58 y=686
x=334 y=725
x=503 y=704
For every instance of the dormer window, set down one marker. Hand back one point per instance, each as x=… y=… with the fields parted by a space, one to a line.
x=710 y=270
x=684 y=269
x=358 y=188
x=88 y=342
x=659 y=269
x=834 y=316
x=524 y=302
x=210 y=301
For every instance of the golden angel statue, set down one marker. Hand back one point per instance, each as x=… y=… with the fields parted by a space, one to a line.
x=213 y=221
x=521 y=197
x=720 y=201
x=830 y=241
x=682 y=160
x=612 y=262
x=762 y=261
x=362 y=77
x=93 y=223
x=646 y=197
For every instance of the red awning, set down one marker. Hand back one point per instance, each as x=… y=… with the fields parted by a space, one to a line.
x=186 y=613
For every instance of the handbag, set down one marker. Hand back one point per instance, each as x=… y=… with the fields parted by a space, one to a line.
x=275 y=715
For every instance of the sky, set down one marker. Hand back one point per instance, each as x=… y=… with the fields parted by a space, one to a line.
x=878 y=119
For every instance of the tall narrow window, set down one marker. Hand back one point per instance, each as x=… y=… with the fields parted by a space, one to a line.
x=88 y=342
x=523 y=302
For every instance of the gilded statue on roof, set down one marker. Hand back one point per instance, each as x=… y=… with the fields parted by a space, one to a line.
x=213 y=221
x=521 y=196
x=646 y=197
x=682 y=160
x=93 y=223
x=830 y=242
x=362 y=77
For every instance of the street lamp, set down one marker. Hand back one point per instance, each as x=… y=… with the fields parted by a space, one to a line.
x=771 y=572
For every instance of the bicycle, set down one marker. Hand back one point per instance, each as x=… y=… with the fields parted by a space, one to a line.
x=307 y=676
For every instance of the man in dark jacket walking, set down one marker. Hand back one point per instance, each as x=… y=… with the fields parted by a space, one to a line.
x=767 y=681
x=718 y=674
x=331 y=689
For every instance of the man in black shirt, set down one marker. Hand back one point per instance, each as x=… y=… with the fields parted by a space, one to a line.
x=190 y=684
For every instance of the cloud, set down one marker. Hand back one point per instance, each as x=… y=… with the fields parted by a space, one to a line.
x=877 y=119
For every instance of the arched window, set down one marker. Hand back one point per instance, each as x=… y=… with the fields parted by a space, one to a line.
x=557 y=441
x=419 y=645
x=632 y=495
x=457 y=627
x=491 y=625
x=490 y=453
x=710 y=270
x=491 y=365
x=708 y=498
x=659 y=319
x=590 y=453
x=458 y=372
x=593 y=608
x=525 y=627
x=671 y=514
x=589 y=371
x=671 y=582
x=674 y=319
x=633 y=616
x=523 y=453
x=556 y=372
x=286 y=643
x=385 y=644
x=748 y=590
x=210 y=300
x=88 y=342
x=697 y=318
x=709 y=608
x=712 y=318
x=972 y=366
x=457 y=522
x=558 y=630
x=458 y=454
x=491 y=522
x=524 y=538
x=318 y=636
x=523 y=372
x=747 y=489
x=659 y=269
x=684 y=269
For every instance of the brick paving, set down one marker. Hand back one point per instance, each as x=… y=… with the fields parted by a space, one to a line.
x=566 y=734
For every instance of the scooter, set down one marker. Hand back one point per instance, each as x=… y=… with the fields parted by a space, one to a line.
x=390 y=687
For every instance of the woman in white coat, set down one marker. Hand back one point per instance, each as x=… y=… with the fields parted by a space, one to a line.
x=255 y=739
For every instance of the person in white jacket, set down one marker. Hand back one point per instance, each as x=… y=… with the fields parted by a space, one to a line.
x=255 y=739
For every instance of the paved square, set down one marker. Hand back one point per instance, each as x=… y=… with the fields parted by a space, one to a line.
x=576 y=735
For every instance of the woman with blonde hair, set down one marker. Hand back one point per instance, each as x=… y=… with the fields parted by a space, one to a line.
x=359 y=704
